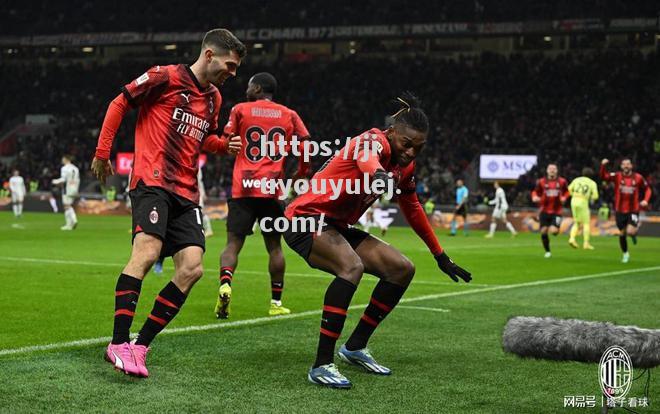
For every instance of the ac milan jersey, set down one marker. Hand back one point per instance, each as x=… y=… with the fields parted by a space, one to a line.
x=627 y=189
x=252 y=121
x=176 y=115
x=350 y=205
x=553 y=193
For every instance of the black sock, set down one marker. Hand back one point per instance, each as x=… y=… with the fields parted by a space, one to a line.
x=276 y=290
x=127 y=293
x=546 y=242
x=384 y=298
x=337 y=298
x=634 y=239
x=167 y=305
x=623 y=242
x=226 y=275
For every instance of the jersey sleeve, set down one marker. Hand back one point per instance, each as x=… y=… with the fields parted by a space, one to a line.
x=231 y=129
x=416 y=217
x=538 y=189
x=594 y=190
x=147 y=87
x=407 y=184
x=368 y=156
x=299 y=128
x=606 y=175
x=644 y=187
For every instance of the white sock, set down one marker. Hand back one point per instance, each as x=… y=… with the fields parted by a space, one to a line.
x=20 y=209
x=53 y=204
x=493 y=225
x=276 y=302
x=207 y=224
x=74 y=218
x=14 y=208
x=510 y=227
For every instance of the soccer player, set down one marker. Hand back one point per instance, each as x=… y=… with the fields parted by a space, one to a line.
x=628 y=185
x=17 y=188
x=499 y=211
x=179 y=106
x=206 y=221
x=259 y=118
x=462 y=194
x=348 y=252
x=551 y=192
x=583 y=190
x=70 y=177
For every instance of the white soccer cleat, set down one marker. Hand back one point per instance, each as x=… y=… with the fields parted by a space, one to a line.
x=625 y=258
x=547 y=255
x=66 y=228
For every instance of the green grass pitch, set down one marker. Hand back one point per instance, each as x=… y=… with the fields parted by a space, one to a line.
x=443 y=343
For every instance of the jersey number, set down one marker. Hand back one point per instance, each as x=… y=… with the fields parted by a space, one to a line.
x=253 y=148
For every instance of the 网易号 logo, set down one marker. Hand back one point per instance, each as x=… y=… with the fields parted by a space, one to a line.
x=616 y=372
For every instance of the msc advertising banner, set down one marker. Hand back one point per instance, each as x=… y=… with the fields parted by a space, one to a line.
x=504 y=167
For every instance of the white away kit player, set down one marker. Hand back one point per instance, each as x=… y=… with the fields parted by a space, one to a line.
x=499 y=212
x=17 y=188
x=70 y=177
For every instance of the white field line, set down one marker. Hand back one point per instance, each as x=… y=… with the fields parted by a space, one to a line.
x=254 y=272
x=426 y=308
x=256 y=321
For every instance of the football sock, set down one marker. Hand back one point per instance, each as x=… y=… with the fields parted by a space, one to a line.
x=493 y=226
x=623 y=242
x=384 y=298
x=167 y=305
x=20 y=209
x=53 y=204
x=127 y=293
x=226 y=275
x=72 y=214
x=546 y=242
x=15 y=208
x=466 y=227
x=586 y=232
x=335 y=305
x=633 y=238
x=276 y=290
x=453 y=226
x=510 y=227
x=574 y=231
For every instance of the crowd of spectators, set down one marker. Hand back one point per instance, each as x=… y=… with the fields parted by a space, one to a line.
x=572 y=109
x=30 y=17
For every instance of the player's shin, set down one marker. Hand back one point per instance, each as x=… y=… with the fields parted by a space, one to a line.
x=335 y=305
x=127 y=293
x=510 y=227
x=384 y=298
x=574 y=231
x=167 y=305
x=623 y=243
x=546 y=241
x=586 y=231
x=493 y=226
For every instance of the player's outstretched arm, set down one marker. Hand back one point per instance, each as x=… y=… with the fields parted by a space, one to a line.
x=101 y=166
x=416 y=217
x=216 y=145
x=604 y=174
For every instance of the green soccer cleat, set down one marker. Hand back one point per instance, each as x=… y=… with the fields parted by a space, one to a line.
x=277 y=310
x=222 y=304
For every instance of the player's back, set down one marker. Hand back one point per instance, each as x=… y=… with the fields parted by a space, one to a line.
x=252 y=121
x=71 y=176
x=16 y=184
x=583 y=188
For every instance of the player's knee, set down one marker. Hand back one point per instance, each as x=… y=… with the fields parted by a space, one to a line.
x=403 y=271
x=352 y=270
x=192 y=273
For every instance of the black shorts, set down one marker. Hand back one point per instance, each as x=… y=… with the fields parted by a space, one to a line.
x=461 y=211
x=244 y=211
x=301 y=241
x=548 y=220
x=624 y=219
x=175 y=220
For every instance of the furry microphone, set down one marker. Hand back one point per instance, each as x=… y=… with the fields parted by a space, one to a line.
x=576 y=340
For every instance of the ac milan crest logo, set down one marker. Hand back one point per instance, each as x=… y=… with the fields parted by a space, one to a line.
x=153 y=216
x=211 y=105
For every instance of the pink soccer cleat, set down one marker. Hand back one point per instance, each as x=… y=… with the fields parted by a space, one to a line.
x=121 y=356
x=140 y=353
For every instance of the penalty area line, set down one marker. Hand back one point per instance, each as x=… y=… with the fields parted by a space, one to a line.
x=269 y=319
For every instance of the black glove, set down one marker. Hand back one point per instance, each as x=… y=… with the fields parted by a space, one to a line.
x=382 y=175
x=452 y=269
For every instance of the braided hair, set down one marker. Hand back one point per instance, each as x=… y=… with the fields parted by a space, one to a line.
x=410 y=113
